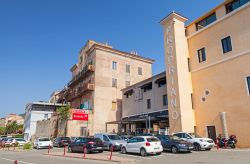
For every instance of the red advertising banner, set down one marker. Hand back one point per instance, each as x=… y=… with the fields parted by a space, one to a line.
x=80 y=116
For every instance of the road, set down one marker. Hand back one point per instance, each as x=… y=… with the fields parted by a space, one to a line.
x=203 y=157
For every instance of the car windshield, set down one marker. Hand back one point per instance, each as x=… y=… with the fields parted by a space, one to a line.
x=152 y=139
x=195 y=135
x=44 y=139
x=65 y=138
x=20 y=139
x=114 y=137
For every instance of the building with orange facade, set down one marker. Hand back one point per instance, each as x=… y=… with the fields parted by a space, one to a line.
x=208 y=71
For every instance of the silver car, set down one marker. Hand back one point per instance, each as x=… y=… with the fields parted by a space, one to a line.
x=111 y=141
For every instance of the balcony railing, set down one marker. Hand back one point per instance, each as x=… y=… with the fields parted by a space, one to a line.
x=82 y=75
x=80 y=91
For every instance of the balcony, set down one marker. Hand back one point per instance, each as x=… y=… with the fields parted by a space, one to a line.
x=86 y=71
x=80 y=91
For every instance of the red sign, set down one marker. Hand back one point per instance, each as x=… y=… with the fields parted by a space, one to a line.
x=80 y=116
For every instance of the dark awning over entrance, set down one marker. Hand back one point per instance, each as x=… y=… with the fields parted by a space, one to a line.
x=160 y=115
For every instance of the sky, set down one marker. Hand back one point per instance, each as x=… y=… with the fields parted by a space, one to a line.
x=40 y=39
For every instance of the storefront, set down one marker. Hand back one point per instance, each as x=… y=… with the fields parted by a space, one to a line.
x=153 y=122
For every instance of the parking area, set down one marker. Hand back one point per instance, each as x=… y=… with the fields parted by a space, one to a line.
x=222 y=156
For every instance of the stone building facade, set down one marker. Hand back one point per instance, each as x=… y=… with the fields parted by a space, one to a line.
x=97 y=79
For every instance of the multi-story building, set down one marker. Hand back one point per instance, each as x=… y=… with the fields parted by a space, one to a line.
x=144 y=106
x=97 y=79
x=208 y=71
x=34 y=112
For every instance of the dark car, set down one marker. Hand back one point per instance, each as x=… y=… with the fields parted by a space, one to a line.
x=61 y=141
x=92 y=145
x=174 y=144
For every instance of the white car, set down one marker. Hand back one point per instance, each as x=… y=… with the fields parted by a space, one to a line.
x=43 y=142
x=143 y=145
x=198 y=141
x=19 y=141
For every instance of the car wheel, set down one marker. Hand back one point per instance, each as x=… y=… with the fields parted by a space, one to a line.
x=208 y=149
x=123 y=150
x=174 y=149
x=158 y=153
x=143 y=152
x=197 y=147
x=100 y=151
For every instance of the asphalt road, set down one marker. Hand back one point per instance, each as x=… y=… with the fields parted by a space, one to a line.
x=240 y=156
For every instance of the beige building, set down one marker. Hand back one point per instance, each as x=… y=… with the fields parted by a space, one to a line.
x=97 y=79
x=144 y=106
x=208 y=71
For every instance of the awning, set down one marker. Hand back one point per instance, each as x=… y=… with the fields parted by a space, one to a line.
x=129 y=92
x=146 y=85
x=159 y=115
x=160 y=79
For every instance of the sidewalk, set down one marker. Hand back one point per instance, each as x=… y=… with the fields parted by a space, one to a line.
x=93 y=156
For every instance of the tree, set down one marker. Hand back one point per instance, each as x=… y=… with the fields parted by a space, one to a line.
x=11 y=128
x=64 y=114
x=2 y=130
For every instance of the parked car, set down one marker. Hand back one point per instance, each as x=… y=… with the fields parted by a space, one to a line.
x=92 y=145
x=143 y=145
x=111 y=141
x=42 y=142
x=174 y=144
x=8 y=142
x=61 y=141
x=19 y=141
x=198 y=142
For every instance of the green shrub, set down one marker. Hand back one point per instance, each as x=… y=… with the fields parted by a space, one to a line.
x=27 y=146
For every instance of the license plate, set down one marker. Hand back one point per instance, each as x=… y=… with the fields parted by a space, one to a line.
x=99 y=148
x=156 y=148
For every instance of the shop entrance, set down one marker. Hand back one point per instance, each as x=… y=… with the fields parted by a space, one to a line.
x=211 y=132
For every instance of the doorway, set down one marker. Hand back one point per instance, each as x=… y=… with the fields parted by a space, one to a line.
x=211 y=132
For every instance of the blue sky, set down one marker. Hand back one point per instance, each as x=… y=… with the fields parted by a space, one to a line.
x=40 y=40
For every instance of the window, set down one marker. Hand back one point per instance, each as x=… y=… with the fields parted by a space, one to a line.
x=127 y=68
x=147 y=87
x=202 y=55
x=206 y=21
x=234 y=5
x=105 y=138
x=248 y=84
x=165 y=100
x=133 y=140
x=139 y=70
x=140 y=140
x=114 y=82
x=162 y=83
x=114 y=106
x=226 y=44
x=127 y=83
x=114 y=65
x=46 y=116
x=148 y=104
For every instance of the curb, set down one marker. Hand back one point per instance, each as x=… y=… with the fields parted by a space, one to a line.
x=94 y=159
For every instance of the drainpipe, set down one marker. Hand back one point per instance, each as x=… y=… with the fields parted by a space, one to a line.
x=224 y=124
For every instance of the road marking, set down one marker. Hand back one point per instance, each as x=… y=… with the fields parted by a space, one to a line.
x=17 y=161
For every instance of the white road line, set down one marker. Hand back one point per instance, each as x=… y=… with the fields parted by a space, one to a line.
x=17 y=161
